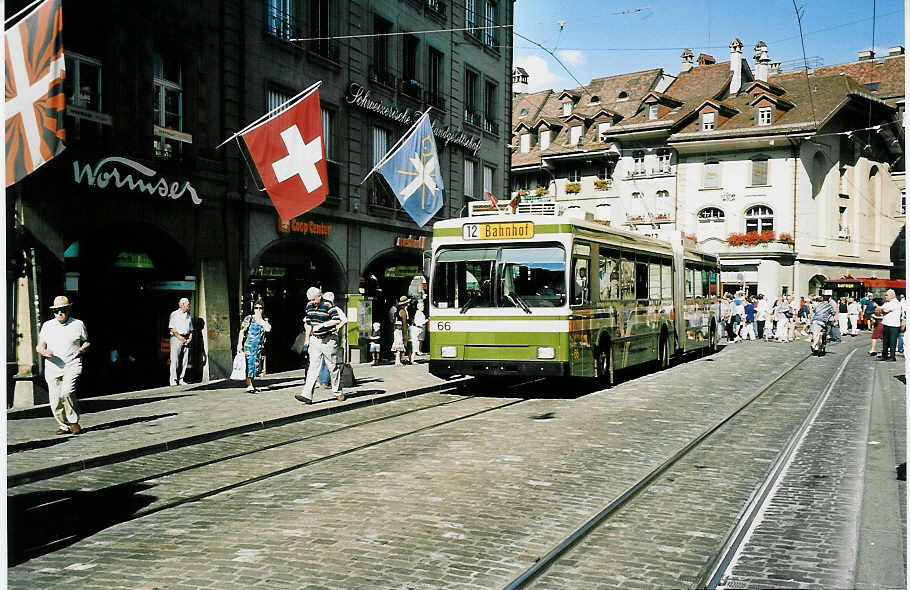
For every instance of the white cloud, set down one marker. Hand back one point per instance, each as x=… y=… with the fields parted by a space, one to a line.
x=539 y=75
x=572 y=57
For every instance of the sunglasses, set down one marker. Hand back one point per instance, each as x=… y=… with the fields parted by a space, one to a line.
x=258 y=307
x=56 y=311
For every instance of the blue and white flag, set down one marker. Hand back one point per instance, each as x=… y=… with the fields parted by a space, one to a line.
x=413 y=173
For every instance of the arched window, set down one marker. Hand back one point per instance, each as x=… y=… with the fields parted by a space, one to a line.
x=711 y=214
x=623 y=95
x=595 y=99
x=524 y=113
x=759 y=218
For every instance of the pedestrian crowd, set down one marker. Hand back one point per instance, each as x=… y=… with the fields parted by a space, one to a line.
x=787 y=318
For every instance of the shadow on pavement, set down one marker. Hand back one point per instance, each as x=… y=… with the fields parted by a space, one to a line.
x=42 y=522
x=128 y=421
x=34 y=444
x=241 y=385
x=92 y=406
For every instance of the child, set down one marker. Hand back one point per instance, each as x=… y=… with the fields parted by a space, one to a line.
x=398 y=343
x=375 y=337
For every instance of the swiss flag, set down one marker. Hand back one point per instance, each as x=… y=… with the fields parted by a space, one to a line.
x=289 y=153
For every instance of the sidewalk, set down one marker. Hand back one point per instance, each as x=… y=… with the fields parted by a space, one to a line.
x=126 y=425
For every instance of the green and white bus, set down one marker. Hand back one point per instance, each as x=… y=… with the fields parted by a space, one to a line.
x=532 y=292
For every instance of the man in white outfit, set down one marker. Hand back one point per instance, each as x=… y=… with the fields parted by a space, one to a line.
x=62 y=341
x=180 y=326
x=853 y=308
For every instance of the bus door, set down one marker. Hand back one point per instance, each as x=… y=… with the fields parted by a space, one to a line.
x=581 y=350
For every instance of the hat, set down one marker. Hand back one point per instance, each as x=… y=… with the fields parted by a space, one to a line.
x=312 y=292
x=398 y=323
x=61 y=302
x=329 y=296
x=403 y=299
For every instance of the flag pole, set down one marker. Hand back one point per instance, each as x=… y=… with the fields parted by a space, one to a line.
x=27 y=8
x=268 y=115
x=395 y=147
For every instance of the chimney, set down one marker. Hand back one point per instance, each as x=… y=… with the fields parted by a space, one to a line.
x=775 y=68
x=762 y=61
x=736 y=65
x=896 y=50
x=519 y=80
x=866 y=55
x=705 y=60
x=686 y=64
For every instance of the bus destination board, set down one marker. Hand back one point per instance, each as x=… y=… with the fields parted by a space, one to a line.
x=515 y=230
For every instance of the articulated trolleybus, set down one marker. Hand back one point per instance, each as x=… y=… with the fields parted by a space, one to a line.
x=536 y=293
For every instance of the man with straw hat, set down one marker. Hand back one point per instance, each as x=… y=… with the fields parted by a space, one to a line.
x=62 y=341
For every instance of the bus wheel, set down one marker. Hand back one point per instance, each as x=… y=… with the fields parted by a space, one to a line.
x=604 y=365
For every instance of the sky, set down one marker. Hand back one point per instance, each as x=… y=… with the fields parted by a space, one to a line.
x=596 y=38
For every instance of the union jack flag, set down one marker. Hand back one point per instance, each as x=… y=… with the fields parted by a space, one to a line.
x=35 y=103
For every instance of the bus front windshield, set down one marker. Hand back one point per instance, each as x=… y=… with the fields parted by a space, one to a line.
x=522 y=277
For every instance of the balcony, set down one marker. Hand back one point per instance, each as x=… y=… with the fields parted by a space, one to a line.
x=435 y=99
x=411 y=88
x=490 y=126
x=472 y=118
x=381 y=76
x=436 y=8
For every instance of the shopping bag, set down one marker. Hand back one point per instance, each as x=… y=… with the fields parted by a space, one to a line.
x=299 y=342
x=239 y=370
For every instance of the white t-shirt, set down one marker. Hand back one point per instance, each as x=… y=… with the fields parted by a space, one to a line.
x=180 y=320
x=892 y=310
x=63 y=340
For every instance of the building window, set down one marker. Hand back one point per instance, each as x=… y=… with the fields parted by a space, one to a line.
x=434 y=79
x=595 y=100
x=711 y=175
x=707 y=121
x=281 y=19
x=544 y=139
x=759 y=218
x=525 y=143
x=843 y=229
x=663 y=202
x=764 y=116
x=623 y=95
x=380 y=73
x=575 y=135
x=573 y=175
x=638 y=162
x=168 y=110
x=276 y=98
x=470 y=98
x=489 y=108
x=663 y=161
x=321 y=28
x=653 y=111
x=760 y=171
x=490 y=35
x=469 y=167
x=410 y=86
x=82 y=84
x=328 y=118
x=380 y=144
x=637 y=196
x=488 y=180
x=567 y=108
x=711 y=214
x=602 y=130
x=470 y=16
x=604 y=172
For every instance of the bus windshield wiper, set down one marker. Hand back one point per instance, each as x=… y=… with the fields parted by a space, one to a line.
x=468 y=304
x=518 y=302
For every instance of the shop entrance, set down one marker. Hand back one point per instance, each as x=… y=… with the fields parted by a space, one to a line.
x=125 y=282
x=387 y=277
x=281 y=278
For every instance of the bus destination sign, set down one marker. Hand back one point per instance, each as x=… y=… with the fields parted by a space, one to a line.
x=516 y=230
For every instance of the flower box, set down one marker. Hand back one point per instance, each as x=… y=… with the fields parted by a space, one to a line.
x=573 y=187
x=786 y=238
x=752 y=238
x=523 y=192
x=541 y=191
x=602 y=185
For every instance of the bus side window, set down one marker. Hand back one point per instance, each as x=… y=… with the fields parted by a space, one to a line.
x=627 y=279
x=690 y=282
x=641 y=280
x=581 y=285
x=609 y=275
x=654 y=280
x=666 y=280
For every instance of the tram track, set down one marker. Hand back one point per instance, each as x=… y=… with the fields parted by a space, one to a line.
x=714 y=571
x=29 y=513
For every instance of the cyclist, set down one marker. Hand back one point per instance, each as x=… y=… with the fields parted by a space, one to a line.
x=818 y=324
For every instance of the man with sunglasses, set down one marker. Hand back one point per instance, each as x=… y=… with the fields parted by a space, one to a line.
x=180 y=325
x=62 y=341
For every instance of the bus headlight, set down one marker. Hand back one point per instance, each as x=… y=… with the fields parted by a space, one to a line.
x=546 y=352
x=448 y=352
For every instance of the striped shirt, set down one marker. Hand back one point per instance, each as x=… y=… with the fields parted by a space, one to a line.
x=317 y=315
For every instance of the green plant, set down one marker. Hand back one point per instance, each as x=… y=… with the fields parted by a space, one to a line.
x=523 y=192
x=602 y=185
x=573 y=187
x=541 y=191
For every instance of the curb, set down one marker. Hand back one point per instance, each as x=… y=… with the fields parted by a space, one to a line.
x=101 y=460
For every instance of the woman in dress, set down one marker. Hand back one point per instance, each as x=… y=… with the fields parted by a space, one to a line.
x=251 y=341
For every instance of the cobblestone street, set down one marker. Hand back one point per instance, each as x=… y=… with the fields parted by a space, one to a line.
x=466 y=489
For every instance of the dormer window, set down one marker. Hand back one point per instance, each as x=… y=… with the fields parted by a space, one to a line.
x=575 y=135
x=525 y=143
x=595 y=99
x=764 y=115
x=602 y=129
x=524 y=113
x=567 y=108
x=623 y=95
x=544 y=139
x=708 y=120
x=653 y=111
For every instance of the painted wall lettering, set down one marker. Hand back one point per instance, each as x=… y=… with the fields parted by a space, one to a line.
x=101 y=179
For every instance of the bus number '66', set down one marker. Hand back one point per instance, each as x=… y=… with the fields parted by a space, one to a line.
x=443 y=326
